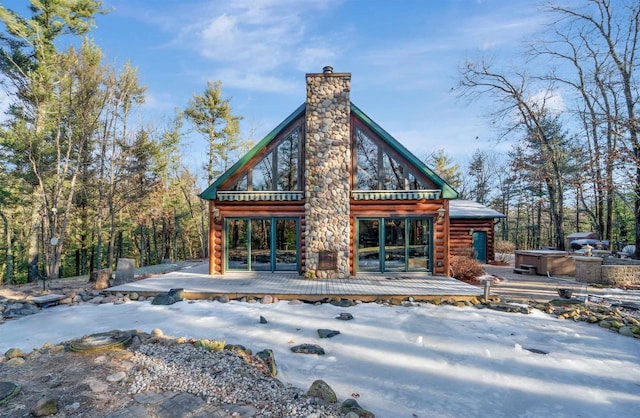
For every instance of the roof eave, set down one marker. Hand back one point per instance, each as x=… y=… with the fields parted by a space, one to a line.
x=447 y=191
x=210 y=193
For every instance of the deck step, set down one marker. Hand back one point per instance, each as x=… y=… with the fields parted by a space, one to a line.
x=47 y=300
x=524 y=271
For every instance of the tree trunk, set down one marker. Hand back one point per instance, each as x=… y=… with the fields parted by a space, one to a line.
x=8 y=273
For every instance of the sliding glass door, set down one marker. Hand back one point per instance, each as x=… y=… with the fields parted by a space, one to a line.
x=393 y=244
x=262 y=244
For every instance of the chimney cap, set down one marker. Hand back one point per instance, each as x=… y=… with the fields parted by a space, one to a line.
x=327 y=69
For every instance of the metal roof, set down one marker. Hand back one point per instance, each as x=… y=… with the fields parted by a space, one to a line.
x=468 y=209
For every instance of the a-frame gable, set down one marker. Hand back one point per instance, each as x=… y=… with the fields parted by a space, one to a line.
x=416 y=165
x=210 y=193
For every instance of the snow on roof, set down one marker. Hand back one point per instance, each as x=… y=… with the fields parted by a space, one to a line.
x=581 y=235
x=465 y=209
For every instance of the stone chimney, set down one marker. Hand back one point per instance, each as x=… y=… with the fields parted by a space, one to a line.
x=328 y=174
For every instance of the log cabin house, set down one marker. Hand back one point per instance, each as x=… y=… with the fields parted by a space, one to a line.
x=329 y=194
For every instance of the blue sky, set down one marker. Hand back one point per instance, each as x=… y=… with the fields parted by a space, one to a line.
x=403 y=55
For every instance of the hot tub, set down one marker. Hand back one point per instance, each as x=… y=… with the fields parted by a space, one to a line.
x=551 y=261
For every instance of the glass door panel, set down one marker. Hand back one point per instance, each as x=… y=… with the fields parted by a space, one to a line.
x=286 y=251
x=418 y=245
x=237 y=244
x=369 y=245
x=261 y=244
x=394 y=245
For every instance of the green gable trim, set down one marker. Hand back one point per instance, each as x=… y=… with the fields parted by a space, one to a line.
x=210 y=193
x=447 y=191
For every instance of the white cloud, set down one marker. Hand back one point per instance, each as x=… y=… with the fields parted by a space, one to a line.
x=551 y=101
x=251 y=41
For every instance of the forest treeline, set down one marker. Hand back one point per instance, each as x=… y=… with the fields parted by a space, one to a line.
x=83 y=182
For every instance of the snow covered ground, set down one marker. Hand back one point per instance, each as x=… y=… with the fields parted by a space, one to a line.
x=421 y=361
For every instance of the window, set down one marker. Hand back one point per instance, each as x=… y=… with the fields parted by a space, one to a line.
x=262 y=174
x=378 y=170
x=288 y=158
x=278 y=170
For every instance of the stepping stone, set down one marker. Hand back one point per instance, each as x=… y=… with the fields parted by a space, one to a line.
x=47 y=300
x=308 y=349
x=263 y=320
x=327 y=333
x=535 y=350
x=345 y=316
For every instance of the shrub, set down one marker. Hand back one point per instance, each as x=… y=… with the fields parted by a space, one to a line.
x=466 y=268
x=503 y=249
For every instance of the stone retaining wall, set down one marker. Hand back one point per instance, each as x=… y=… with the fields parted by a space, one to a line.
x=621 y=275
x=597 y=270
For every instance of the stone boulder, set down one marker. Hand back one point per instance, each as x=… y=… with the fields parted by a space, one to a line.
x=125 y=271
x=266 y=356
x=321 y=390
x=308 y=349
x=327 y=333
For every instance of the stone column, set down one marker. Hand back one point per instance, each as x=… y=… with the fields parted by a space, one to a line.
x=328 y=172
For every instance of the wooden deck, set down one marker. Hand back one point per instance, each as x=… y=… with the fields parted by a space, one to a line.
x=197 y=284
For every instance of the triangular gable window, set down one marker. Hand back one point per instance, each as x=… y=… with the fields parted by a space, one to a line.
x=376 y=169
x=282 y=163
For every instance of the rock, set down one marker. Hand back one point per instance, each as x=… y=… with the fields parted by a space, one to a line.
x=263 y=320
x=321 y=390
x=15 y=362
x=98 y=387
x=134 y=296
x=223 y=299
x=536 y=351
x=16 y=310
x=352 y=406
x=157 y=332
x=308 y=349
x=343 y=303
x=66 y=301
x=45 y=407
x=116 y=377
x=327 y=333
x=163 y=299
x=626 y=331
x=96 y=300
x=13 y=353
x=266 y=356
x=295 y=302
x=8 y=391
x=240 y=350
x=507 y=307
x=345 y=316
x=177 y=294
x=125 y=271
x=267 y=299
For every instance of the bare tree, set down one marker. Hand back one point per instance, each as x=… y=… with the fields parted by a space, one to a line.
x=600 y=39
x=521 y=108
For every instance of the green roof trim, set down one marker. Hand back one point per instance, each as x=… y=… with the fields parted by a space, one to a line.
x=447 y=191
x=210 y=193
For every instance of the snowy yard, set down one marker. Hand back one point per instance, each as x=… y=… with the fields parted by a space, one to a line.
x=420 y=361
